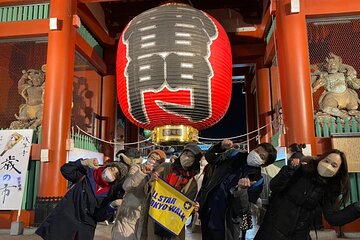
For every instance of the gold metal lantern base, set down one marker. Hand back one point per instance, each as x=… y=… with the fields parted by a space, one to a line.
x=174 y=134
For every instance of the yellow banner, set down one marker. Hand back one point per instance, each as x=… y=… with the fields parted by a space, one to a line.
x=169 y=207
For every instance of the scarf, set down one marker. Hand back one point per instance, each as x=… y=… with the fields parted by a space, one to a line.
x=178 y=178
x=101 y=185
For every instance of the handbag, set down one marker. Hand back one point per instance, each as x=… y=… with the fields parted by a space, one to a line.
x=246 y=221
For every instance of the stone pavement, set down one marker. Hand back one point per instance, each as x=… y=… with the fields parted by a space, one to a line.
x=103 y=233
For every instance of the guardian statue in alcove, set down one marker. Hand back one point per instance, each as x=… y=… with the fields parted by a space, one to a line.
x=31 y=87
x=339 y=99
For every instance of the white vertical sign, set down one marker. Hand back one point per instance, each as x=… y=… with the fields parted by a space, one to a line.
x=295 y=6
x=15 y=148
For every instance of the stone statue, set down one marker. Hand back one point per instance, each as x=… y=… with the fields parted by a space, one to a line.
x=338 y=98
x=31 y=87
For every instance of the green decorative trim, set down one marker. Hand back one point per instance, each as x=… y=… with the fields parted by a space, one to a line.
x=326 y=127
x=88 y=37
x=36 y=182
x=354 y=187
x=275 y=139
x=271 y=30
x=41 y=11
x=85 y=142
x=24 y=12
x=25 y=194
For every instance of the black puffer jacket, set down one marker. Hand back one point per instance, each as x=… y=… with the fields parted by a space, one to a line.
x=219 y=209
x=79 y=210
x=295 y=195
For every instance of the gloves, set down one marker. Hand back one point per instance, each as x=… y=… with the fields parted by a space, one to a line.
x=90 y=162
x=226 y=144
x=116 y=203
x=294 y=163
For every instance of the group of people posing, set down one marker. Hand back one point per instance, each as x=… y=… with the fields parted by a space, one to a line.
x=232 y=180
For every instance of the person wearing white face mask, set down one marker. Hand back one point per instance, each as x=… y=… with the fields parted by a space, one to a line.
x=299 y=188
x=87 y=202
x=128 y=221
x=226 y=189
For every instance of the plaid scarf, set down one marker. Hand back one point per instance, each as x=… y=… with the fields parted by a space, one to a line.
x=179 y=177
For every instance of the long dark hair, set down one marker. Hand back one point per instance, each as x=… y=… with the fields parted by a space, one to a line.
x=338 y=185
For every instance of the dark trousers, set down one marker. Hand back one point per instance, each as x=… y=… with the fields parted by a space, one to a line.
x=209 y=234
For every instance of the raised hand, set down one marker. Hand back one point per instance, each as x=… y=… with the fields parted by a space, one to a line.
x=226 y=144
x=196 y=207
x=155 y=176
x=90 y=162
x=245 y=183
x=148 y=168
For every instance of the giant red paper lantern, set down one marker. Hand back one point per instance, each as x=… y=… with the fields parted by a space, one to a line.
x=174 y=68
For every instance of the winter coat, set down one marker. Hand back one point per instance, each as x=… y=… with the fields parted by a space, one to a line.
x=220 y=207
x=148 y=230
x=128 y=214
x=79 y=210
x=295 y=195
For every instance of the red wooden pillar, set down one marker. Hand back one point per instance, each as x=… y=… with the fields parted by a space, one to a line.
x=108 y=107
x=293 y=56
x=250 y=113
x=58 y=97
x=264 y=104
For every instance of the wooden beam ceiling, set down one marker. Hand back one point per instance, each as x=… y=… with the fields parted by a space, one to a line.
x=119 y=13
x=246 y=48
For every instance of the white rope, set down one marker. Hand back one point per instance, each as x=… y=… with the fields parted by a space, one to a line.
x=246 y=141
x=113 y=143
x=145 y=147
x=204 y=138
x=243 y=135
x=257 y=136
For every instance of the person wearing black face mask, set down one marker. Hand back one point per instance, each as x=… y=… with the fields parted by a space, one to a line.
x=180 y=175
x=299 y=188
x=232 y=179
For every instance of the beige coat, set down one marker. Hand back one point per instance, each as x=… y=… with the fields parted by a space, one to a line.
x=127 y=223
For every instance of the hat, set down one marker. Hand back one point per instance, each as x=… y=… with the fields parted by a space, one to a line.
x=131 y=156
x=132 y=153
x=160 y=153
x=194 y=148
x=123 y=169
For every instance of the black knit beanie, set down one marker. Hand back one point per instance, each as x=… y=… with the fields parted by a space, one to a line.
x=194 y=148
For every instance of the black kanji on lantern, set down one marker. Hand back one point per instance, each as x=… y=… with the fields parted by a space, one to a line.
x=169 y=46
